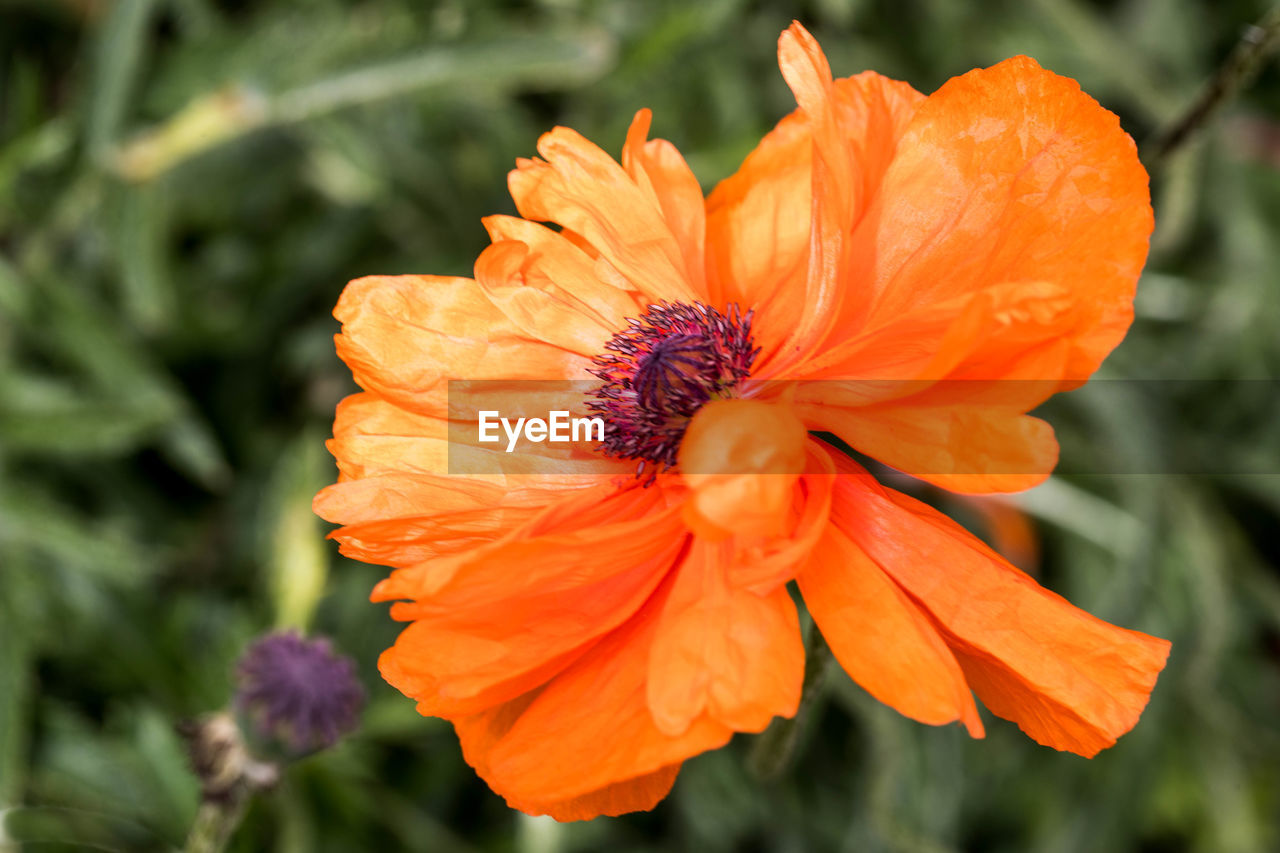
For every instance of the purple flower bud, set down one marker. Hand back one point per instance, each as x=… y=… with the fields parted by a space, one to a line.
x=296 y=696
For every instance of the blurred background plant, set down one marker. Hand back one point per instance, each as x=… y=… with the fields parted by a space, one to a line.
x=186 y=185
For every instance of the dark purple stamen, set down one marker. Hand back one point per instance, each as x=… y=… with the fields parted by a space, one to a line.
x=297 y=693
x=668 y=363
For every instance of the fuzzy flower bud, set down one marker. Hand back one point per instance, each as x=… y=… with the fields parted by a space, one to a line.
x=296 y=696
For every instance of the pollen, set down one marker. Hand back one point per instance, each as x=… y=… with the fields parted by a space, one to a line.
x=659 y=371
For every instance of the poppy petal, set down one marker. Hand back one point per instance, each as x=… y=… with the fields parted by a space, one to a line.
x=386 y=521
x=881 y=638
x=557 y=264
x=375 y=437
x=1068 y=679
x=979 y=335
x=1005 y=174
x=480 y=631
x=479 y=733
x=633 y=795
x=723 y=650
x=547 y=746
x=405 y=336
x=657 y=167
x=404 y=499
x=972 y=449
x=413 y=666
x=372 y=437
x=741 y=460
x=960 y=424
x=405 y=519
x=580 y=187
x=540 y=313
x=819 y=167
x=574 y=520
x=758 y=223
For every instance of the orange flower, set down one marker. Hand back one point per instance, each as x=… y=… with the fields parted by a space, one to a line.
x=585 y=629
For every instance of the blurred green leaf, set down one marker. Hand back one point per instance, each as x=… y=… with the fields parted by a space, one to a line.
x=192 y=447
x=88 y=547
x=42 y=416
x=535 y=62
x=141 y=240
x=131 y=780
x=118 y=57
x=16 y=679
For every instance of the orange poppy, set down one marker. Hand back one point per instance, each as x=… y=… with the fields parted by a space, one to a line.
x=586 y=629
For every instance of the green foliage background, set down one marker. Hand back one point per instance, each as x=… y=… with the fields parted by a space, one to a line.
x=186 y=185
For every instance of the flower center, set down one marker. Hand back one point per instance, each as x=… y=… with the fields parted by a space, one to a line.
x=659 y=371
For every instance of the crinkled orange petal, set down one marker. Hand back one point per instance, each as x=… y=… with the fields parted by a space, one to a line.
x=402 y=502
x=390 y=520
x=372 y=437
x=402 y=520
x=391 y=496
x=881 y=638
x=983 y=334
x=969 y=435
x=557 y=744
x=558 y=265
x=722 y=650
x=806 y=71
x=540 y=313
x=454 y=663
x=580 y=518
x=633 y=795
x=973 y=449
x=818 y=167
x=412 y=533
x=1068 y=679
x=404 y=336
x=413 y=665
x=1012 y=335
x=480 y=732
x=658 y=168
x=1010 y=173
x=580 y=187
x=484 y=634
x=758 y=226
x=968 y=369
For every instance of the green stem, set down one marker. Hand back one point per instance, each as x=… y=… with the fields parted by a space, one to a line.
x=215 y=823
x=773 y=750
x=1256 y=45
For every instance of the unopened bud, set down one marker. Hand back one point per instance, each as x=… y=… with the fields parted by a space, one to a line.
x=295 y=696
